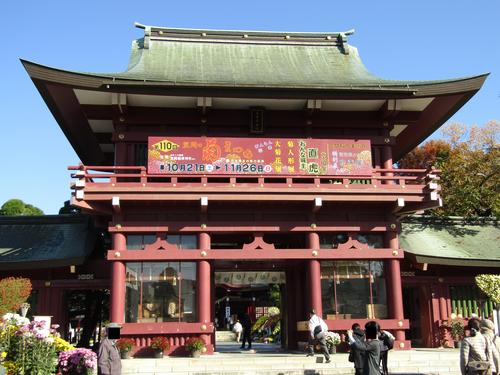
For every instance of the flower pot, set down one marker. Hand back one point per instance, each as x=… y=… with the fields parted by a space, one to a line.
x=125 y=355
x=196 y=353
x=332 y=349
x=158 y=353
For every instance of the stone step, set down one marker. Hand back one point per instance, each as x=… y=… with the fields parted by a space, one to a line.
x=439 y=362
x=225 y=336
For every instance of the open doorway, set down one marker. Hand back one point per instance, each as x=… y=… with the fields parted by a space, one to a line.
x=87 y=312
x=255 y=295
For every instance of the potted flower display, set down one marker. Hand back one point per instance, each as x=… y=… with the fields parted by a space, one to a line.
x=78 y=361
x=332 y=340
x=195 y=346
x=457 y=330
x=159 y=344
x=124 y=346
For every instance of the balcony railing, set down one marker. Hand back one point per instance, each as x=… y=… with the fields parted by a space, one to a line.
x=113 y=178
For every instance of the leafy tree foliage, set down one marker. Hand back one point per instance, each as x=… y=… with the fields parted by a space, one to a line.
x=13 y=292
x=490 y=285
x=469 y=157
x=16 y=207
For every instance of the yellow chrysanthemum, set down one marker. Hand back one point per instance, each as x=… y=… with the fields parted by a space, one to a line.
x=62 y=345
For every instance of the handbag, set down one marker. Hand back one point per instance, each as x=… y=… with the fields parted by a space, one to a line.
x=351 y=357
x=480 y=367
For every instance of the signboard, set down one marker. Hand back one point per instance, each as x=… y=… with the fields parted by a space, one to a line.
x=258 y=156
x=249 y=278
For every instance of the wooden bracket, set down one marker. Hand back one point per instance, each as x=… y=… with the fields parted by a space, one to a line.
x=318 y=203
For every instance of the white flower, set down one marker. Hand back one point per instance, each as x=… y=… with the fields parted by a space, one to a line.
x=49 y=340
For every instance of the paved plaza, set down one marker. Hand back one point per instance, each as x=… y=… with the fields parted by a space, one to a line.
x=267 y=359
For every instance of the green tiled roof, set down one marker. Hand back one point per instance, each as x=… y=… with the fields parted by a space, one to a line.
x=251 y=59
x=45 y=241
x=452 y=241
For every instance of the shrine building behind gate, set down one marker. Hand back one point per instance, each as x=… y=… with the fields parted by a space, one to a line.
x=245 y=154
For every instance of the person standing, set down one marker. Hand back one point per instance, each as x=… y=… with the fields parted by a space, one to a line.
x=370 y=348
x=479 y=349
x=386 y=344
x=357 y=356
x=488 y=330
x=247 y=332
x=317 y=335
x=108 y=358
x=238 y=328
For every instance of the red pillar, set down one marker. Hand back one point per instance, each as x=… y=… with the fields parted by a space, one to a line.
x=203 y=292
x=396 y=292
x=117 y=314
x=387 y=159
x=314 y=277
x=443 y=308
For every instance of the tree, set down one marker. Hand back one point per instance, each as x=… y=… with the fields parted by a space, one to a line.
x=469 y=158
x=16 y=207
x=13 y=292
x=490 y=285
x=431 y=154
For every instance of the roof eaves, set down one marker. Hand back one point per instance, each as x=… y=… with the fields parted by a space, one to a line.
x=467 y=262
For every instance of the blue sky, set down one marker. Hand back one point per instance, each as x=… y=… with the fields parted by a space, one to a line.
x=397 y=39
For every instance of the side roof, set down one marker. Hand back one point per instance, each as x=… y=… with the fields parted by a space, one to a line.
x=28 y=242
x=452 y=241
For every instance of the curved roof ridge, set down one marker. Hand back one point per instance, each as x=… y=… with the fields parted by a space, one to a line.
x=322 y=34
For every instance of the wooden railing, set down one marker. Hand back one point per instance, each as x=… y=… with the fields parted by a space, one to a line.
x=137 y=176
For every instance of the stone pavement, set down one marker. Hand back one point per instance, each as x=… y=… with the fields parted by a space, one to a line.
x=266 y=359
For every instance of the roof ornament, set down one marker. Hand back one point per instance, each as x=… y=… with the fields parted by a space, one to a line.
x=342 y=41
x=147 y=33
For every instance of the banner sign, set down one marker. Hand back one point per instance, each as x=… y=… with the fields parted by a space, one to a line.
x=249 y=278
x=258 y=156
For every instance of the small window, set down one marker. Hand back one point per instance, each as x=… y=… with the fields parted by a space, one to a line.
x=138 y=241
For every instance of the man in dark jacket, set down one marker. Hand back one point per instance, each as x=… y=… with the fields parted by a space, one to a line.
x=356 y=355
x=247 y=331
x=370 y=348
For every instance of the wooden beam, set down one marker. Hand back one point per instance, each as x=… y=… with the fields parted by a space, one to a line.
x=204 y=204
x=390 y=109
x=252 y=254
x=247 y=225
x=400 y=203
x=115 y=203
x=318 y=203
x=94 y=207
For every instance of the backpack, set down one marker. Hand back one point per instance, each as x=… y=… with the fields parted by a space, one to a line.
x=317 y=330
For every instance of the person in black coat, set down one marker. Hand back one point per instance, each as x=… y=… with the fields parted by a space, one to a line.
x=386 y=344
x=356 y=355
x=247 y=331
